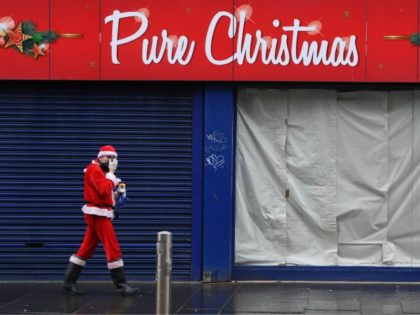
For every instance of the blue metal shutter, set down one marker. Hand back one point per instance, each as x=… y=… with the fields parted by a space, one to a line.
x=50 y=131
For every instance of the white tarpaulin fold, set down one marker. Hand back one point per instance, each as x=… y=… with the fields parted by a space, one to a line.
x=362 y=126
x=311 y=159
x=415 y=178
x=400 y=198
x=261 y=233
x=350 y=162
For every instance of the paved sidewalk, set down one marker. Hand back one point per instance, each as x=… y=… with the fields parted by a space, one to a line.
x=220 y=298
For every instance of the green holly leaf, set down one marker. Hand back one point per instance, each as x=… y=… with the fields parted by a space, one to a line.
x=29 y=28
x=48 y=37
x=37 y=37
x=415 y=39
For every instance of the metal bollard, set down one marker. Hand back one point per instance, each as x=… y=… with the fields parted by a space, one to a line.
x=163 y=272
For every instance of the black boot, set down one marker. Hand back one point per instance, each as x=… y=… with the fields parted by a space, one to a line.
x=118 y=277
x=70 y=278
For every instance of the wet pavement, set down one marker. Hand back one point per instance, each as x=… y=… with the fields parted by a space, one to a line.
x=216 y=298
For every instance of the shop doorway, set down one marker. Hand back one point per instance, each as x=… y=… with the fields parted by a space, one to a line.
x=327 y=178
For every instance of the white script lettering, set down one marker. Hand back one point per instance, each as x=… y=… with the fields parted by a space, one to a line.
x=174 y=53
x=115 y=42
x=249 y=48
x=283 y=49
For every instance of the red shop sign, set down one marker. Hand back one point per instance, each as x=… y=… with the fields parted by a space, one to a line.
x=192 y=40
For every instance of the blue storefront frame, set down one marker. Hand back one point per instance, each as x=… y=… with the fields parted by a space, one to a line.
x=218 y=182
x=218 y=211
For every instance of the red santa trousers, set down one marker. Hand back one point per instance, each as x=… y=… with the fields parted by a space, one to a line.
x=99 y=229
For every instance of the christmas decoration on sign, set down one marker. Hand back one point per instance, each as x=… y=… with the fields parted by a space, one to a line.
x=413 y=38
x=25 y=38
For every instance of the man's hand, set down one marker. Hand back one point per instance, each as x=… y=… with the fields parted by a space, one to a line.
x=112 y=165
x=121 y=188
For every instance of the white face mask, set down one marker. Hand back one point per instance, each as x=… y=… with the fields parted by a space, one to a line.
x=104 y=165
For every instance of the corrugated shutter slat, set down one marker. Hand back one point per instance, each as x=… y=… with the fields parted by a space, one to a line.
x=50 y=131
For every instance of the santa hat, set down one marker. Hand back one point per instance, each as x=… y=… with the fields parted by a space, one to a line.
x=107 y=150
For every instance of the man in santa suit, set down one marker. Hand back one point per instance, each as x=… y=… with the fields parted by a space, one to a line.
x=99 y=184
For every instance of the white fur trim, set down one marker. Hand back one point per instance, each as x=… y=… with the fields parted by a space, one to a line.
x=98 y=211
x=112 y=177
x=77 y=261
x=115 y=264
x=103 y=153
x=93 y=162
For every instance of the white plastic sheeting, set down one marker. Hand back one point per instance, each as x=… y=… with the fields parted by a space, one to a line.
x=311 y=160
x=351 y=162
x=261 y=231
x=362 y=128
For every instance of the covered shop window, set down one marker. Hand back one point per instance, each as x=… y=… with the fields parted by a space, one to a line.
x=327 y=178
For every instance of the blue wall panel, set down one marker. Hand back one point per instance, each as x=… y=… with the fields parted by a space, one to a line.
x=326 y=273
x=218 y=182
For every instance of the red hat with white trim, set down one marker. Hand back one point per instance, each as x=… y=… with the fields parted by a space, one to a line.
x=107 y=150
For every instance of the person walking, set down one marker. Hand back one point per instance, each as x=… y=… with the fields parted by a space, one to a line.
x=101 y=195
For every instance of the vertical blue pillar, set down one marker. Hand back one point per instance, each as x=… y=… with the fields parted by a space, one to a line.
x=219 y=118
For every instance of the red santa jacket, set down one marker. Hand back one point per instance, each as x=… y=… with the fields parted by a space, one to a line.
x=98 y=191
